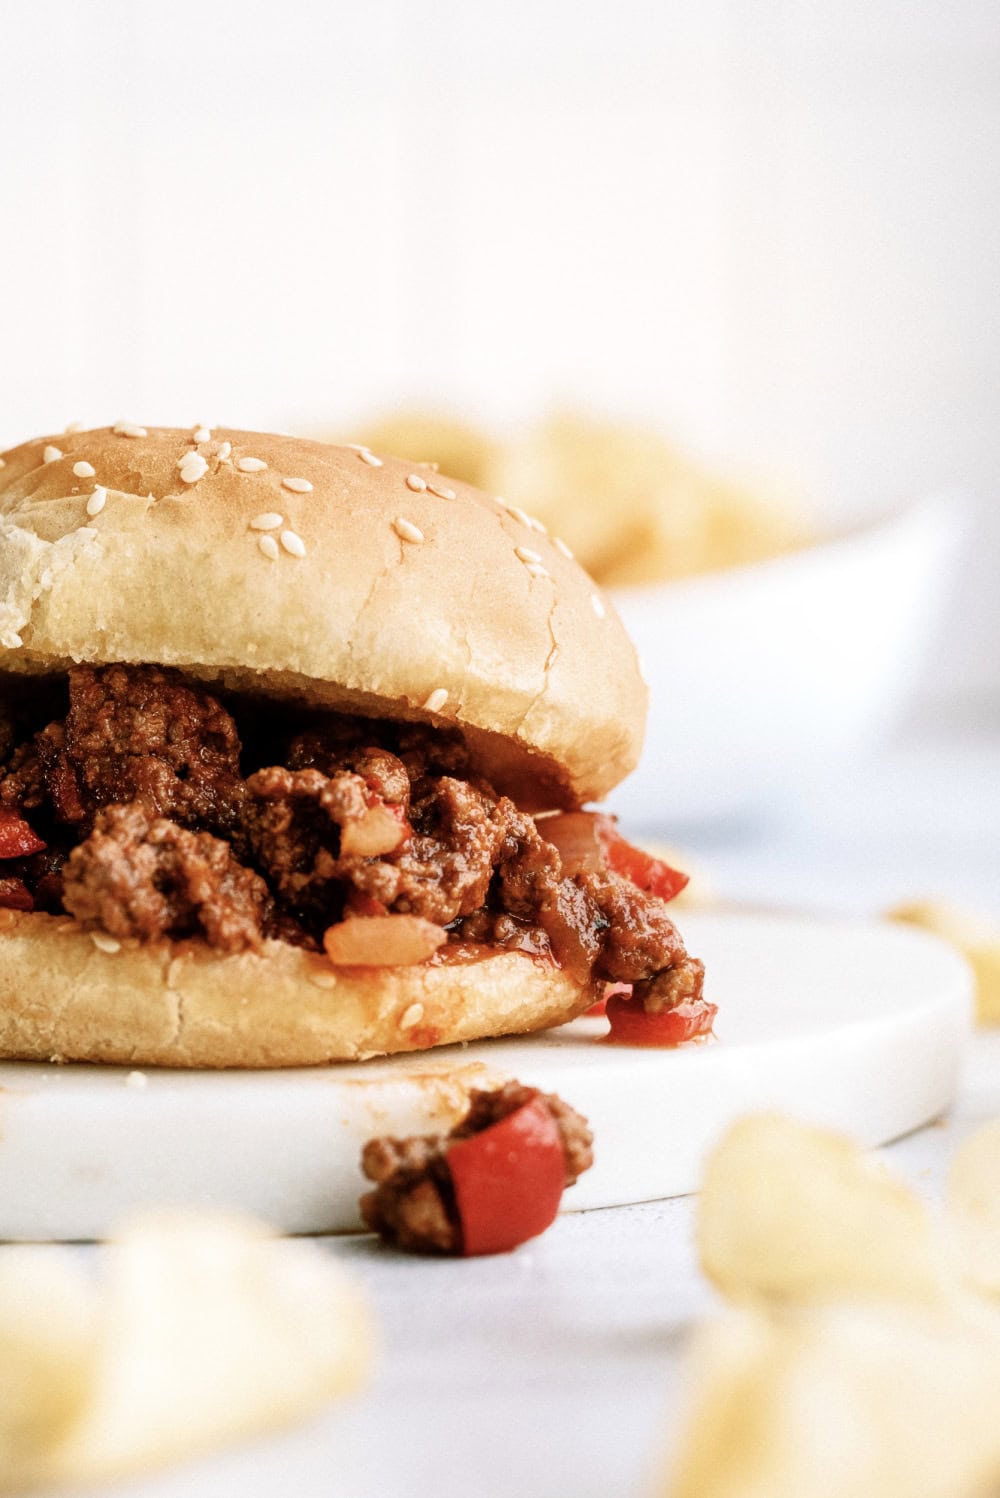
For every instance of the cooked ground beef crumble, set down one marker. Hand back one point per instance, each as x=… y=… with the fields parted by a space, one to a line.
x=162 y=817
x=413 y=1204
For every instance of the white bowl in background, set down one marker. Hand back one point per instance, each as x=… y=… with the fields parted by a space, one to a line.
x=763 y=678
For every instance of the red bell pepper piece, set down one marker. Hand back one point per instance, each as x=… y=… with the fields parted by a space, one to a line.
x=508 y=1180
x=15 y=895
x=631 y=1025
x=16 y=838
x=646 y=872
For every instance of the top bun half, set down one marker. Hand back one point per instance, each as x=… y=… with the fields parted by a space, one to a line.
x=388 y=591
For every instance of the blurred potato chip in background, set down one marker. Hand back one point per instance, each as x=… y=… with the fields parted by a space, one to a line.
x=977 y=936
x=974 y=1206
x=869 y=1364
x=631 y=507
x=461 y=451
x=203 y=1328
x=848 y=1401
x=48 y=1351
x=798 y=1214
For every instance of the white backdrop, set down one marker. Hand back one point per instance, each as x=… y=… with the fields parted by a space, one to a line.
x=772 y=226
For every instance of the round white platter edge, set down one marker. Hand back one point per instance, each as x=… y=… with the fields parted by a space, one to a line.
x=858 y=1025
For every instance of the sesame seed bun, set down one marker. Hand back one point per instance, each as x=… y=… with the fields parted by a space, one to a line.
x=64 y=997
x=324 y=574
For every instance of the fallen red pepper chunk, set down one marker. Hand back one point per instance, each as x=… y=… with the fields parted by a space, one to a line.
x=646 y=872
x=631 y=1025
x=508 y=1180
x=15 y=895
x=17 y=839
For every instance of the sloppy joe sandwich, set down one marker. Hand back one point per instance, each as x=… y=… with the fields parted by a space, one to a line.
x=294 y=749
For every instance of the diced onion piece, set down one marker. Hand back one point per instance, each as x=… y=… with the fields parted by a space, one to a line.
x=382 y=941
x=378 y=831
x=577 y=836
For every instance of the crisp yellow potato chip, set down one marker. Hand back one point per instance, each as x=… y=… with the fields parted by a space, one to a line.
x=977 y=936
x=792 y=1213
x=974 y=1206
x=47 y=1352
x=206 y=1328
x=874 y=1401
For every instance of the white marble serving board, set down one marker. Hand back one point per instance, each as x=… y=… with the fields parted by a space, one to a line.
x=856 y=1024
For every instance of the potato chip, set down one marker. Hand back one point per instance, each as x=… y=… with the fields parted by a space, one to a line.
x=47 y=1345
x=976 y=936
x=205 y=1329
x=974 y=1206
x=874 y=1401
x=793 y=1213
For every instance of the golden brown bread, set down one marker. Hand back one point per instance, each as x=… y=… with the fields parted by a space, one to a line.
x=382 y=589
x=65 y=998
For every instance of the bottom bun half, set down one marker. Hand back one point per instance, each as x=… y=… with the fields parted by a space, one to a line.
x=63 y=998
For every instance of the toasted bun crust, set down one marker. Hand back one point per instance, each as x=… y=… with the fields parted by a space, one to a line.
x=182 y=1004
x=405 y=602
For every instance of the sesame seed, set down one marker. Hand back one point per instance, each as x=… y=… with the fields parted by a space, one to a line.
x=269 y=546
x=128 y=429
x=522 y=515
x=597 y=604
x=193 y=468
x=251 y=465
x=51 y=454
x=436 y=701
x=97 y=501
x=74 y=426
x=427 y=463
x=84 y=470
x=137 y=1079
x=298 y=486
x=441 y=491
x=536 y=569
x=202 y=434
x=267 y=520
x=369 y=458
x=407 y=530
x=225 y=448
x=560 y=545
x=3 y=462
x=293 y=543
x=323 y=980
x=105 y=943
x=525 y=554
x=411 y=1016
x=416 y=483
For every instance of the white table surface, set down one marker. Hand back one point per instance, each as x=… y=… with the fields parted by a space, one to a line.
x=559 y=1369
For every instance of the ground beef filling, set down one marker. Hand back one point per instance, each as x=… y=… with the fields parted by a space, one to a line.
x=143 y=876
x=413 y=1206
x=152 y=828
